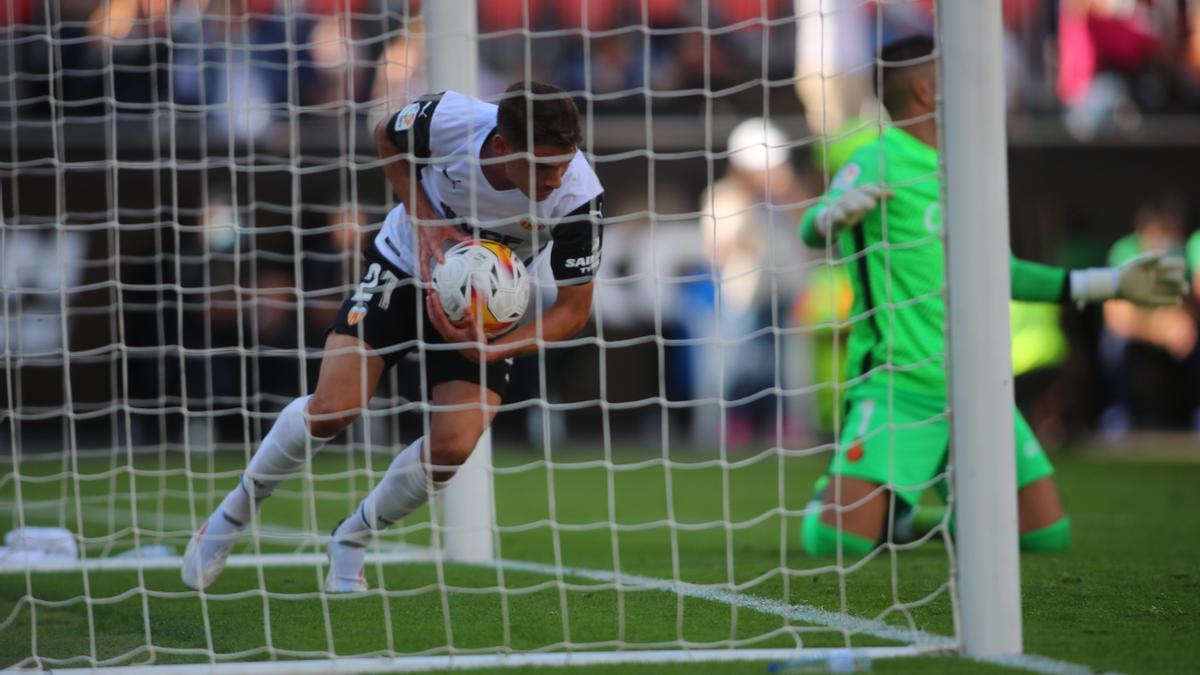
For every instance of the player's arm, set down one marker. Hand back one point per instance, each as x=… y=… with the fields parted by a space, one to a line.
x=1150 y=280
x=1035 y=282
x=574 y=260
x=561 y=321
x=401 y=138
x=853 y=193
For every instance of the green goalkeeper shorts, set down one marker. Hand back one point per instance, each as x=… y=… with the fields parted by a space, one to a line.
x=903 y=443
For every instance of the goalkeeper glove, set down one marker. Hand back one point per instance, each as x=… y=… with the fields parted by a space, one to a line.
x=848 y=209
x=1150 y=280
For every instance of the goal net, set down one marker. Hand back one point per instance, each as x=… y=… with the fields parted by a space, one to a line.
x=188 y=187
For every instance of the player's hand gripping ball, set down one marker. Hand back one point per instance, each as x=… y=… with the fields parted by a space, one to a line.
x=484 y=277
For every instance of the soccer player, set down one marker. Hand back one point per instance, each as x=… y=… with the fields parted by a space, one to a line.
x=882 y=211
x=462 y=168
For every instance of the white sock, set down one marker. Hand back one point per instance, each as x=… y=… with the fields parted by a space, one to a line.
x=404 y=488
x=221 y=532
x=281 y=454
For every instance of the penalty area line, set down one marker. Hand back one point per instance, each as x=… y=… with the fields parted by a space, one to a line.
x=916 y=642
x=793 y=612
x=922 y=641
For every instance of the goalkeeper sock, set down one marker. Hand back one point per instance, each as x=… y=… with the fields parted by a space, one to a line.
x=1054 y=538
x=404 y=488
x=280 y=455
x=820 y=539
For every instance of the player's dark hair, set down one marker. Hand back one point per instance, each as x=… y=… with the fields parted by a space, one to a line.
x=897 y=58
x=545 y=109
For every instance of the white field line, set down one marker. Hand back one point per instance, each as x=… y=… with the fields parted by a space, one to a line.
x=916 y=641
x=923 y=642
x=793 y=612
x=267 y=532
x=1041 y=664
x=420 y=664
x=179 y=521
x=14 y=563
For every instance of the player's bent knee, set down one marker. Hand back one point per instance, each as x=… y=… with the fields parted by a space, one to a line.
x=452 y=450
x=326 y=420
x=820 y=539
x=1054 y=538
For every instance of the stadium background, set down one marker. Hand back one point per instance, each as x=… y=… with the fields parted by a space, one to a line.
x=192 y=161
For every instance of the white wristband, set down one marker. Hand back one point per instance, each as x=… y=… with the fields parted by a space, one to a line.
x=823 y=223
x=1095 y=285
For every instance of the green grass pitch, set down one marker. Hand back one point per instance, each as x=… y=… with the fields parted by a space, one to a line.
x=1126 y=597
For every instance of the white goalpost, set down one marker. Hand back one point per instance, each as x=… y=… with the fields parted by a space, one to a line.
x=186 y=191
x=469 y=506
x=980 y=342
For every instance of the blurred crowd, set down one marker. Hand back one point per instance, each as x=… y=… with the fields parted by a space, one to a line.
x=748 y=315
x=1118 y=59
x=249 y=62
x=724 y=261
x=1146 y=352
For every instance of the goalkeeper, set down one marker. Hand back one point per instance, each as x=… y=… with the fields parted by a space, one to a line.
x=882 y=212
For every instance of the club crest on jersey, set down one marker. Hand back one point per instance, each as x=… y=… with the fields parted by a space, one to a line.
x=846 y=177
x=933 y=217
x=407 y=116
x=529 y=226
x=356 y=314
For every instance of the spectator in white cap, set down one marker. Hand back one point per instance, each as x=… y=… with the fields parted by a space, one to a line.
x=747 y=222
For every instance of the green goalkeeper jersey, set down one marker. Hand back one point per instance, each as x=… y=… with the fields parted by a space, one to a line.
x=897 y=267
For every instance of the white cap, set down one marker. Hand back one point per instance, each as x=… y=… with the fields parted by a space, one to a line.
x=757 y=145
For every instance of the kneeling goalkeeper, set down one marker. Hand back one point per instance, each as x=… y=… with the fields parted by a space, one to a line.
x=882 y=211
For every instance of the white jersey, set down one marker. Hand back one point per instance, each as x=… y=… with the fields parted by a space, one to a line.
x=442 y=135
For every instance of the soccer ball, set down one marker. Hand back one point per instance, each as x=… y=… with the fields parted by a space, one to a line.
x=486 y=277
